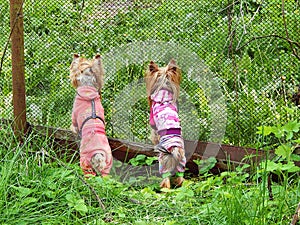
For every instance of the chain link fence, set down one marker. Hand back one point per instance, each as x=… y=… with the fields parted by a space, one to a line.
x=240 y=62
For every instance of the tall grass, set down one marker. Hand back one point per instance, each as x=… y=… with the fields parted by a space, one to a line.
x=38 y=187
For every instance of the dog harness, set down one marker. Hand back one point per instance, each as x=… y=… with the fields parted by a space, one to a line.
x=93 y=116
x=165 y=121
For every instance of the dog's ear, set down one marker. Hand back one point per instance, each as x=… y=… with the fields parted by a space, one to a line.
x=98 y=68
x=97 y=57
x=76 y=58
x=97 y=62
x=172 y=66
x=174 y=72
x=74 y=64
x=153 y=67
x=74 y=70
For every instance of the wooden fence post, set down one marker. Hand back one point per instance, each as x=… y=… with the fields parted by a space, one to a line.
x=18 y=67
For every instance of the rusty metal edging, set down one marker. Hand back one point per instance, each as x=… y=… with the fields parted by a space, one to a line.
x=123 y=150
x=228 y=156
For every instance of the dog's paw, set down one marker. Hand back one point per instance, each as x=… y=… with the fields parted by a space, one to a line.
x=177 y=182
x=98 y=163
x=165 y=183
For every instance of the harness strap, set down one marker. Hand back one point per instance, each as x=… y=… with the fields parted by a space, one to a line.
x=162 y=149
x=93 y=116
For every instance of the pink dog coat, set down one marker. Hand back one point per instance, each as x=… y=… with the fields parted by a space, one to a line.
x=93 y=134
x=164 y=119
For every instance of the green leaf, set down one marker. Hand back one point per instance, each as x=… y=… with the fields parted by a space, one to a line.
x=284 y=151
x=290 y=167
x=265 y=130
x=133 y=162
x=290 y=110
x=278 y=132
x=49 y=194
x=140 y=157
x=138 y=160
x=118 y=164
x=295 y=157
x=291 y=126
x=184 y=193
x=289 y=135
x=27 y=201
x=71 y=199
x=206 y=164
x=271 y=166
x=167 y=190
x=294 y=169
x=77 y=204
x=23 y=191
x=148 y=190
x=149 y=161
x=240 y=169
x=287 y=166
x=81 y=207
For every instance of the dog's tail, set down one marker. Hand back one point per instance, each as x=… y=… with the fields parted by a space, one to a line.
x=98 y=163
x=170 y=160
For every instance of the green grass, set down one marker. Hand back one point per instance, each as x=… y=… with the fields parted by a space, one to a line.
x=39 y=187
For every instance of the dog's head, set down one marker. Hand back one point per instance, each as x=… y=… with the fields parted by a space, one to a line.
x=84 y=72
x=168 y=78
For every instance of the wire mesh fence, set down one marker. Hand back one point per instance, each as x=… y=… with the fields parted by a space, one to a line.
x=240 y=62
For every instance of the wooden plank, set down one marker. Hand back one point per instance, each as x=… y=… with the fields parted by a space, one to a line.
x=18 y=67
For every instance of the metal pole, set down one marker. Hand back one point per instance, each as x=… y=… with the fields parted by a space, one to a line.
x=18 y=67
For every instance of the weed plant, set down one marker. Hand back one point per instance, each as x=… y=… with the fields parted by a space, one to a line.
x=39 y=187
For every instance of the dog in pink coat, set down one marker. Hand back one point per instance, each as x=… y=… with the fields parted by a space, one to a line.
x=163 y=84
x=88 y=116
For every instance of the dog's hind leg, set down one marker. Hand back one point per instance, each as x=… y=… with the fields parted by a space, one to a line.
x=181 y=161
x=170 y=162
x=98 y=163
x=166 y=166
x=154 y=137
x=166 y=183
x=178 y=179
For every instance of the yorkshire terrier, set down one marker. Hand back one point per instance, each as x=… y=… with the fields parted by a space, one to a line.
x=88 y=116
x=162 y=86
